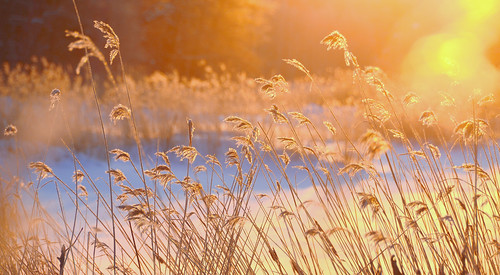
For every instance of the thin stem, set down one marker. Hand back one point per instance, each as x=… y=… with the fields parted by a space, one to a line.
x=96 y=99
x=475 y=256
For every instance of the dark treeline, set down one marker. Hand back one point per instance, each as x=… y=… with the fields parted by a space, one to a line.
x=154 y=34
x=245 y=35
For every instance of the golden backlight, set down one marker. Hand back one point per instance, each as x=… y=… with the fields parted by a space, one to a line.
x=457 y=52
x=479 y=11
x=250 y=137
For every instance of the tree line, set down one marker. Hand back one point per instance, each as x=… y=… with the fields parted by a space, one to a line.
x=245 y=35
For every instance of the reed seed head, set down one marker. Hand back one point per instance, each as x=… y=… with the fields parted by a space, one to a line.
x=119 y=112
x=42 y=169
x=10 y=130
x=55 y=97
x=120 y=155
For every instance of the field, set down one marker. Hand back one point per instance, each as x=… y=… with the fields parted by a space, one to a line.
x=344 y=172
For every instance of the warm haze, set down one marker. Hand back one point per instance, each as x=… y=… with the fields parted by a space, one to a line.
x=250 y=137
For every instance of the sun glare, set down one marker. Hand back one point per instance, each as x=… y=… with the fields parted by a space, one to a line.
x=478 y=11
x=456 y=57
x=250 y=137
x=457 y=51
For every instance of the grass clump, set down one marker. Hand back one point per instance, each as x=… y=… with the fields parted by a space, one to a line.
x=296 y=192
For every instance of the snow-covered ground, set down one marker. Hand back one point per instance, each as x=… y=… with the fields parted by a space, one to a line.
x=15 y=164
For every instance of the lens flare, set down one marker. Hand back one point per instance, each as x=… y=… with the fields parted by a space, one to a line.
x=456 y=53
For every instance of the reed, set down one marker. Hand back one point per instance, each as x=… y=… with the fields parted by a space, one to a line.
x=392 y=190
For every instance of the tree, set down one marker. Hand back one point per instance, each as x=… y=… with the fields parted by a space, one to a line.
x=180 y=34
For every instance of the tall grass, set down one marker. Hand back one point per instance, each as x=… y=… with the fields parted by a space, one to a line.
x=395 y=190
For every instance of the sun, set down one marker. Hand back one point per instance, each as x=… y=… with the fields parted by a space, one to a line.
x=457 y=52
x=478 y=11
